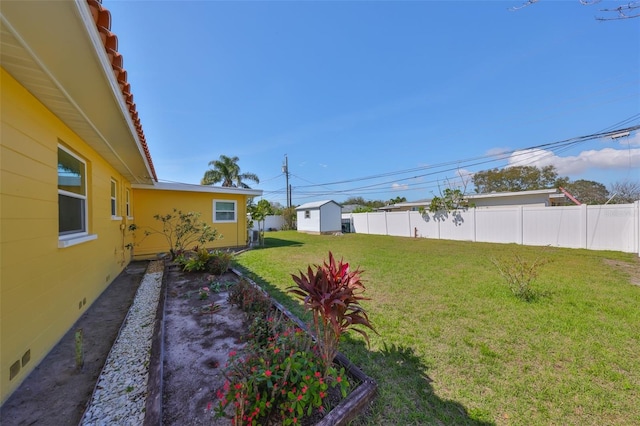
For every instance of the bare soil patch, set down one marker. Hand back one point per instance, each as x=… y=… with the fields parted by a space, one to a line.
x=633 y=269
x=56 y=393
x=199 y=334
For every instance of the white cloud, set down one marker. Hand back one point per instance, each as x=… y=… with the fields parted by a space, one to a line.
x=498 y=152
x=607 y=158
x=399 y=187
x=633 y=140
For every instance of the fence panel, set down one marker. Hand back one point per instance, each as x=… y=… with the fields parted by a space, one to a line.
x=398 y=224
x=425 y=225
x=377 y=223
x=611 y=227
x=499 y=225
x=557 y=226
x=270 y=222
x=360 y=222
x=459 y=225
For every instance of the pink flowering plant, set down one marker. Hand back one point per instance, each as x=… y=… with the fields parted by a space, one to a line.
x=204 y=293
x=281 y=381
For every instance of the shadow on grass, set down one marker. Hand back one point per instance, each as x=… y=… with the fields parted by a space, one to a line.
x=406 y=395
x=406 y=392
x=271 y=242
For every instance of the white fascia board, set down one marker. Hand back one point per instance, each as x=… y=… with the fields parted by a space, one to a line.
x=187 y=187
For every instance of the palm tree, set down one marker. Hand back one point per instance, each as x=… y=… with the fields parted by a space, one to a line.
x=227 y=171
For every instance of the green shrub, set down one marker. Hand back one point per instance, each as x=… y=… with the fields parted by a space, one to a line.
x=195 y=260
x=278 y=379
x=182 y=230
x=219 y=261
x=250 y=299
x=520 y=273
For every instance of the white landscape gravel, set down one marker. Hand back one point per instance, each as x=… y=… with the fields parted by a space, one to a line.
x=120 y=393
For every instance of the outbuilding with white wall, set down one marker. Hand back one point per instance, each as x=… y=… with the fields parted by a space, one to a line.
x=319 y=217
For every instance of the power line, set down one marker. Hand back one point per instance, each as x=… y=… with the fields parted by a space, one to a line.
x=520 y=156
x=474 y=161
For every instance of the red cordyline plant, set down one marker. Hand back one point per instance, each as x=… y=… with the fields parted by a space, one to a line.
x=332 y=293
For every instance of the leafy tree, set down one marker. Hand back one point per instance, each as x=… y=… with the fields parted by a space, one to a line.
x=290 y=217
x=451 y=199
x=398 y=200
x=517 y=178
x=227 y=171
x=355 y=200
x=588 y=191
x=277 y=207
x=259 y=212
x=625 y=192
x=363 y=209
x=183 y=230
x=373 y=204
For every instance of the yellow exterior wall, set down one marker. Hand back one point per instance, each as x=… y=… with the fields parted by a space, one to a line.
x=150 y=202
x=44 y=289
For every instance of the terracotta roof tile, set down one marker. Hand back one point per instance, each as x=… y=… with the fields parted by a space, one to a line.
x=102 y=18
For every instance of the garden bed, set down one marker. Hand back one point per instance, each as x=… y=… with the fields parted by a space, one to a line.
x=198 y=331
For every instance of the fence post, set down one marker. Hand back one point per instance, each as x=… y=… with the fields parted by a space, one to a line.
x=367 y=218
x=520 y=238
x=386 y=227
x=584 y=233
x=475 y=225
x=636 y=213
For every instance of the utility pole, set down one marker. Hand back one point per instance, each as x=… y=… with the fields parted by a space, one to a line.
x=285 y=170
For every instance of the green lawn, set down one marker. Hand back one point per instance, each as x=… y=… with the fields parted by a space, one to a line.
x=456 y=347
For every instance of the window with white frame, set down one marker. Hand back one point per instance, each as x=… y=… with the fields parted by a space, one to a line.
x=114 y=198
x=127 y=202
x=72 y=194
x=307 y=214
x=224 y=211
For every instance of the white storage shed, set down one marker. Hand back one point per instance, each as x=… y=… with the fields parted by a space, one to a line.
x=319 y=217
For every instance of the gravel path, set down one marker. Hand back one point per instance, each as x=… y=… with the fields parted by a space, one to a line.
x=120 y=393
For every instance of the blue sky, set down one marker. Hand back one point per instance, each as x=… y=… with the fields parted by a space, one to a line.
x=388 y=91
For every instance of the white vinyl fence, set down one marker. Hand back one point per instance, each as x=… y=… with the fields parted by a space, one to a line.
x=270 y=222
x=610 y=227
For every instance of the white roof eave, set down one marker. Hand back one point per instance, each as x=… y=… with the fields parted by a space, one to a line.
x=187 y=187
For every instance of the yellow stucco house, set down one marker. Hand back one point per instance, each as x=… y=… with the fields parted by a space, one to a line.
x=75 y=172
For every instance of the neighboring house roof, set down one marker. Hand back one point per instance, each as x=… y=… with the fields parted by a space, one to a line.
x=316 y=205
x=406 y=205
x=511 y=194
x=65 y=55
x=550 y=197
x=161 y=186
x=553 y=195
